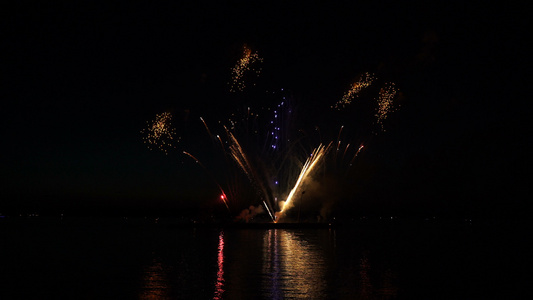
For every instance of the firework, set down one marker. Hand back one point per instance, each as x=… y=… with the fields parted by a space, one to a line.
x=240 y=157
x=363 y=82
x=206 y=128
x=385 y=103
x=254 y=147
x=246 y=64
x=223 y=195
x=308 y=167
x=274 y=170
x=355 y=155
x=160 y=134
x=265 y=154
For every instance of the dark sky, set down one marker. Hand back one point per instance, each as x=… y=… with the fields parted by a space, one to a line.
x=81 y=80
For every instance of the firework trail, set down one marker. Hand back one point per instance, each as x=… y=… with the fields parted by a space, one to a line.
x=355 y=155
x=246 y=64
x=345 y=150
x=235 y=155
x=223 y=195
x=231 y=186
x=239 y=156
x=338 y=142
x=363 y=82
x=385 y=103
x=353 y=159
x=308 y=167
x=160 y=134
x=206 y=128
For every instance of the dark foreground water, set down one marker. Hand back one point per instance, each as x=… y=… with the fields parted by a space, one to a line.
x=117 y=259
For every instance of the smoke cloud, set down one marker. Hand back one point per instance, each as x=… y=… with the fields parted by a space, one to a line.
x=249 y=213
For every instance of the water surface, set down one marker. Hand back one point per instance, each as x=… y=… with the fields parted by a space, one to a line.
x=103 y=259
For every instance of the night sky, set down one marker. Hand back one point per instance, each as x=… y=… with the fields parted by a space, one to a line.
x=80 y=81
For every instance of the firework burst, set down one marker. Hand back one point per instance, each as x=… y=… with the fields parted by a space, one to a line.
x=246 y=64
x=363 y=82
x=160 y=134
x=385 y=103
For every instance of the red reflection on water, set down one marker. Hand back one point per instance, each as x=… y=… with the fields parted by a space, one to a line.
x=386 y=287
x=219 y=285
x=366 y=285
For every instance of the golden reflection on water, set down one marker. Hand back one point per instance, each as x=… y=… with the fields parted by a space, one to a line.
x=296 y=267
x=307 y=266
x=277 y=264
x=155 y=282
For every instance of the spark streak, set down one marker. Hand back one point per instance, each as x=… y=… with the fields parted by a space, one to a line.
x=308 y=167
x=238 y=154
x=355 y=155
x=223 y=196
x=206 y=128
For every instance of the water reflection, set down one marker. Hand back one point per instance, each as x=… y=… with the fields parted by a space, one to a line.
x=155 y=283
x=345 y=263
x=309 y=265
x=219 y=284
x=384 y=287
x=270 y=264
x=293 y=267
x=366 y=275
x=366 y=285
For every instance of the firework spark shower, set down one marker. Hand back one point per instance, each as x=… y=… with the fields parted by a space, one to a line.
x=385 y=103
x=363 y=82
x=160 y=134
x=245 y=65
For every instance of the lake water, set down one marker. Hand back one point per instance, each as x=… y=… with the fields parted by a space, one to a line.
x=118 y=259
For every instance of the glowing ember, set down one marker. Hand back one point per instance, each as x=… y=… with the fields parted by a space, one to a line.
x=245 y=65
x=364 y=81
x=385 y=103
x=160 y=133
